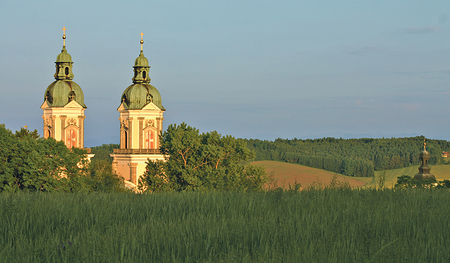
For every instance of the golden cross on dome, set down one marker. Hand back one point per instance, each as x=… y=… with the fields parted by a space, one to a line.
x=142 y=40
x=64 y=35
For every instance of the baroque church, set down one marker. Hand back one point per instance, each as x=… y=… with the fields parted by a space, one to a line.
x=140 y=116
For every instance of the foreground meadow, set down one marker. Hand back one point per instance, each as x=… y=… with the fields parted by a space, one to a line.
x=307 y=226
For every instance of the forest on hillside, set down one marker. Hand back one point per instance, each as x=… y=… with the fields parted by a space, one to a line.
x=351 y=157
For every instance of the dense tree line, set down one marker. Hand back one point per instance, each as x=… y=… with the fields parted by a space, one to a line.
x=34 y=164
x=103 y=152
x=352 y=157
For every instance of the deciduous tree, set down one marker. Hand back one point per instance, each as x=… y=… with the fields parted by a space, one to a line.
x=36 y=164
x=202 y=162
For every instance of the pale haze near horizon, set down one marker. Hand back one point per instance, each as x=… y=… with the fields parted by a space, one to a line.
x=250 y=69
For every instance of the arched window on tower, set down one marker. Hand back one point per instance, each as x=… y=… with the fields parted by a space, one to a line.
x=71 y=138
x=72 y=96
x=149 y=138
x=144 y=74
x=149 y=98
x=66 y=71
x=125 y=139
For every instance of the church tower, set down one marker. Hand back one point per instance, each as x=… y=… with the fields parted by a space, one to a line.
x=141 y=120
x=424 y=169
x=64 y=104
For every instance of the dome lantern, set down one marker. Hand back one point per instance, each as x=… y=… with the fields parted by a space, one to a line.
x=141 y=67
x=64 y=62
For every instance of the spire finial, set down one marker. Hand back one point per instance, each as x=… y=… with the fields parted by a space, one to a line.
x=64 y=36
x=424 y=145
x=142 y=41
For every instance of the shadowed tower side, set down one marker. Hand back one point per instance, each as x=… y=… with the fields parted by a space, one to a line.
x=141 y=120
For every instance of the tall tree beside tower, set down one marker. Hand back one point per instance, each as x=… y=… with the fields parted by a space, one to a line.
x=205 y=161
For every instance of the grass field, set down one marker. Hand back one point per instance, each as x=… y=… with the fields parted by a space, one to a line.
x=286 y=174
x=307 y=226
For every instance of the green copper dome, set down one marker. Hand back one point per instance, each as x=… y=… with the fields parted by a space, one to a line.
x=64 y=56
x=141 y=61
x=425 y=154
x=61 y=92
x=136 y=96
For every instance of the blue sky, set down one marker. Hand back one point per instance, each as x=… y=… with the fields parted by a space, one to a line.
x=250 y=69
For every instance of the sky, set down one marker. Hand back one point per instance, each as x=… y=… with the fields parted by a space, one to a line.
x=250 y=69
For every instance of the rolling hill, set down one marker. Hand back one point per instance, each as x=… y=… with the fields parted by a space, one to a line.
x=286 y=174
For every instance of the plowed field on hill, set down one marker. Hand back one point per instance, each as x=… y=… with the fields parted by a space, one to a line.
x=286 y=174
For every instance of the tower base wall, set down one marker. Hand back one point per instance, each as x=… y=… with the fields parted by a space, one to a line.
x=132 y=166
